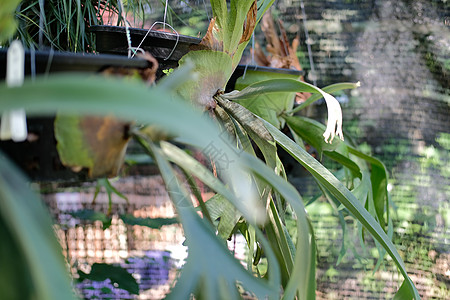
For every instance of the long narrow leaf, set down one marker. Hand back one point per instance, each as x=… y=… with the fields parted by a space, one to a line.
x=211 y=266
x=329 y=89
x=31 y=227
x=273 y=86
x=303 y=273
x=345 y=197
x=310 y=131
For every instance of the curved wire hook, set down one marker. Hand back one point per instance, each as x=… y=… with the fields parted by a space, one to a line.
x=138 y=48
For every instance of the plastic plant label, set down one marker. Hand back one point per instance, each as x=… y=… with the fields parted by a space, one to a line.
x=14 y=124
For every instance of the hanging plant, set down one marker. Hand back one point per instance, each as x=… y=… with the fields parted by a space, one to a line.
x=252 y=191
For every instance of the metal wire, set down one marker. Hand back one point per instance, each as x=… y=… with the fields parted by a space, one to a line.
x=308 y=44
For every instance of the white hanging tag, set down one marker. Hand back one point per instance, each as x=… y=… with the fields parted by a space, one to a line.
x=14 y=123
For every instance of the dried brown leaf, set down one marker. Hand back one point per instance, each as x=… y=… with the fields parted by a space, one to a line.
x=268 y=27
x=260 y=57
x=149 y=74
x=250 y=23
x=210 y=41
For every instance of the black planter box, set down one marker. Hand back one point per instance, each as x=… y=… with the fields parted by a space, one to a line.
x=52 y=62
x=241 y=69
x=112 y=40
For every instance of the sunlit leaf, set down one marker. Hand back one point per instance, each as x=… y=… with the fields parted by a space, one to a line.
x=241 y=20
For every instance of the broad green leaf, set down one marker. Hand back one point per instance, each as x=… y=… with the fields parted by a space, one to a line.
x=212 y=69
x=336 y=188
x=254 y=76
x=404 y=292
x=235 y=24
x=212 y=269
x=329 y=89
x=117 y=275
x=27 y=222
x=267 y=106
x=231 y=30
x=220 y=11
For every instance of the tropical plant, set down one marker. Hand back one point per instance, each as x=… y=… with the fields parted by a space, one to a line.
x=253 y=195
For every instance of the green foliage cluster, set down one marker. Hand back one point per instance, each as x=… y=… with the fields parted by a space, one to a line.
x=253 y=195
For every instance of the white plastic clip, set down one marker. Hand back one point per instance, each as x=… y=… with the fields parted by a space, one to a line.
x=14 y=123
